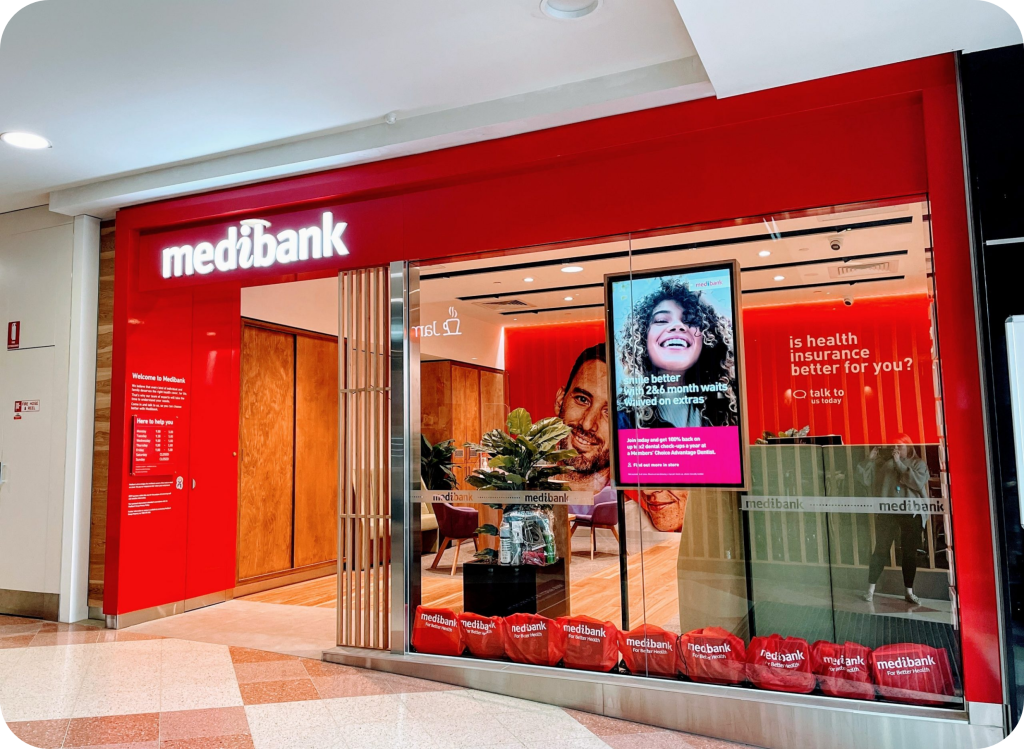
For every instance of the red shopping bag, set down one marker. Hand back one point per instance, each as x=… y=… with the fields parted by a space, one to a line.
x=483 y=635
x=917 y=674
x=713 y=655
x=590 y=644
x=531 y=638
x=843 y=670
x=649 y=650
x=780 y=663
x=436 y=631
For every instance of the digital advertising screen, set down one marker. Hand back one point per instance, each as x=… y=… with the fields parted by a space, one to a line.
x=676 y=384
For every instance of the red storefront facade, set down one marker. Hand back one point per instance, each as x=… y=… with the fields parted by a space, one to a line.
x=884 y=134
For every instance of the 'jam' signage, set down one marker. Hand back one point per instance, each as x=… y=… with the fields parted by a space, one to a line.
x=252 y=244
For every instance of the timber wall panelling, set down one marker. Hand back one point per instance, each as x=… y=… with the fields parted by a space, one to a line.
x=101 y=430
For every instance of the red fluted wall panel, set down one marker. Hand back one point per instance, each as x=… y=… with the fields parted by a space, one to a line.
x=539 y=358
x=894 y=394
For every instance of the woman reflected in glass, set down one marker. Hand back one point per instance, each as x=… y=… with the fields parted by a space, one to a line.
x=895 y=471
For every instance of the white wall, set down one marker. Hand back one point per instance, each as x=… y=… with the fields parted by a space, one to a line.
x=313 y=305
x=38 y=518
x=310 y=305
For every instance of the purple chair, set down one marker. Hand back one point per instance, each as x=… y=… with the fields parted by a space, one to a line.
x=604 y=513
x=456 y=524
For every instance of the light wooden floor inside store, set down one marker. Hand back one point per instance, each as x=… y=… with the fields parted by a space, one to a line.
x=594 y=585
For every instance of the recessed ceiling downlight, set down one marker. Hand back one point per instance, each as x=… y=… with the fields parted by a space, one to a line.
x=568 y=9
x=24 y=140
x=572 y=269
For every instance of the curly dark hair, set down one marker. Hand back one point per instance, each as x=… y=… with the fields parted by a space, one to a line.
x=717 y=362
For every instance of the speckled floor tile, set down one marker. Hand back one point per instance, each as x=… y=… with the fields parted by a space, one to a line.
x=405 y=733
x=178 y=694
x=16 y=641
x=531 y=728
x=320 y=668
x=44 y=683
x=240 y=741
x=378 y=708
x=599 y=725
x=114 y=729
x=293 y=725
x=44 y=639
x=194 y=724
x=265 y=692
x=247 y=673
x=45 y=734
x=248 y=655
x=408 y=685
x=330 y=687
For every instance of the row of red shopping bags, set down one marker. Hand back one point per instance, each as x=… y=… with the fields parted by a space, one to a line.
x=905 y=672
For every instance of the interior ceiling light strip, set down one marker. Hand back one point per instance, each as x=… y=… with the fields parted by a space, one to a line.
x=530 y=291
x=821 y=261
x=553 y=309
x=745 y=291
x=824 y=283
x=827 y=260
x=687 y=246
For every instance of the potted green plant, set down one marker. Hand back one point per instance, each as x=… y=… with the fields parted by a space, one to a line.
x=526 y=457
x=436 y=465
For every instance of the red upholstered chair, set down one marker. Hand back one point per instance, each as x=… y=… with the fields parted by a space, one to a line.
x=604 y=513
x=454 y=524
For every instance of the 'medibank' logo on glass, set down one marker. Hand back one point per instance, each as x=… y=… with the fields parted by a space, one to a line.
x=249 y=245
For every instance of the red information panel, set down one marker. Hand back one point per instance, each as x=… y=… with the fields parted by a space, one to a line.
x=152 y=446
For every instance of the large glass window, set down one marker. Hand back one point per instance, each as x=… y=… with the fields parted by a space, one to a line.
x=711 y=453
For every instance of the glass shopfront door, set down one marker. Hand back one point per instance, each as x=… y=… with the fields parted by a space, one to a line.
x=712 y=453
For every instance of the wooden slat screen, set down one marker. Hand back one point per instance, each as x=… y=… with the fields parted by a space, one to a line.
x=364 y=503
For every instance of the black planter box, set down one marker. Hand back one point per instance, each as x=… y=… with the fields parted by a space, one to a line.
x=497 y=590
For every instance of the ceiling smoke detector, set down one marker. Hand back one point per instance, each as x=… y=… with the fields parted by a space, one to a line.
x=567 y=10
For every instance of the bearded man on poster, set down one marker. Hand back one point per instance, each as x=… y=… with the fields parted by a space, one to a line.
x=584 y=407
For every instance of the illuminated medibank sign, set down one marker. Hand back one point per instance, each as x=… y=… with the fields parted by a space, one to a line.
x=250 y=245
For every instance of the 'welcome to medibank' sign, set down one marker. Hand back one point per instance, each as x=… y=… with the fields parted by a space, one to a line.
x=250 y=245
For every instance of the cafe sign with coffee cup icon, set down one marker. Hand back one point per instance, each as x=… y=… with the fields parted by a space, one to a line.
x=440 y=328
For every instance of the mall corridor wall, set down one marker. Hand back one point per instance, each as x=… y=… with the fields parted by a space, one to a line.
x=48 y=272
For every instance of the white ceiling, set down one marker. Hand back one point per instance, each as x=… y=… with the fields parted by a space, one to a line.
x=122 y=85
x=150 y=99
x=805 y=39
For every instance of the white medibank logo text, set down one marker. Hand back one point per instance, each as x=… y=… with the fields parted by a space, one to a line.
x=249 y=245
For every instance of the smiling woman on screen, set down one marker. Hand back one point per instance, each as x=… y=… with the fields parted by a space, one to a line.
x=675 y=337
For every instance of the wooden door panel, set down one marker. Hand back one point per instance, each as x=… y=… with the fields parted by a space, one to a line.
x=316 y=450
x=465 y=415
x=436 y=400
x=493 y=414
x=265 y=494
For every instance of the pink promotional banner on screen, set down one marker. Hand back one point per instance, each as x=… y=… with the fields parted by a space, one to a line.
x=702 y=455
x=675 y=377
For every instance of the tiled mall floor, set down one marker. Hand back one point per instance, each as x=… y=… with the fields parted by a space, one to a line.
x=79 y=686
